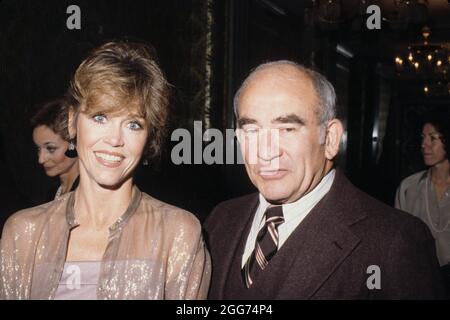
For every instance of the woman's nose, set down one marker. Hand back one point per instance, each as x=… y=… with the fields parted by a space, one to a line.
x=114 y=136
x=41 y=157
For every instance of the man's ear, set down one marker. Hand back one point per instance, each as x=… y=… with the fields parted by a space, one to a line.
x=72 y=123
x=334 y=131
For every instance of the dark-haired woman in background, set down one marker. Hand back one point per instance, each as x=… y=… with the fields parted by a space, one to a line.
x=426 y=194
x=56 y=154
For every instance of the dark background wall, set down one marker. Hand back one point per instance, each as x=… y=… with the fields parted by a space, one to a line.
x=207 y=48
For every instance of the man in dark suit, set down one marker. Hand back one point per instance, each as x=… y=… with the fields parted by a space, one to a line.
x=309 y=233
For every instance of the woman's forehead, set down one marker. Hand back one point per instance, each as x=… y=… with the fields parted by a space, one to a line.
x=114 y=105
x=429 y=128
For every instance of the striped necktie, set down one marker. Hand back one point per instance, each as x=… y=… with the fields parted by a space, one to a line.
x=266 y=245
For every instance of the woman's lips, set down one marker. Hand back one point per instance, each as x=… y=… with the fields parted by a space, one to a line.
x=109 y=159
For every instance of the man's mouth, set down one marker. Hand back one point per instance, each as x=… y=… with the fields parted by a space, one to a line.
x=272 y=173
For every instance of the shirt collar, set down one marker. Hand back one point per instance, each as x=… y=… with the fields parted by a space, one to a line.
x=307 y=201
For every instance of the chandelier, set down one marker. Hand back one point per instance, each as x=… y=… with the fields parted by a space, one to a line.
x=427 y=62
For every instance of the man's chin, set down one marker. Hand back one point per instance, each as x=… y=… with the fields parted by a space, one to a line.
x=275 y=197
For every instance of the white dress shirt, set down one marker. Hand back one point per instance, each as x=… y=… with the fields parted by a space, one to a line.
x=293 y=213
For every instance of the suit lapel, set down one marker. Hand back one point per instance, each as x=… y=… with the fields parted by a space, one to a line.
x=314 y=251
x=240 y=225
x=326 y=244
x=327 y=238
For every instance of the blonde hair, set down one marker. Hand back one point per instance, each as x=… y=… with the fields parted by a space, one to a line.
x=123 y=77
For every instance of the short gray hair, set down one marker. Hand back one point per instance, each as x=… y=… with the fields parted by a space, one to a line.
x=324 y=89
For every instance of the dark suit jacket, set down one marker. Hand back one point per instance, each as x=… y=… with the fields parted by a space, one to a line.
x=329 y=253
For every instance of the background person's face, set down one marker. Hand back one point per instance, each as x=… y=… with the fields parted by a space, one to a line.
x=110 y=147
x=51 y=148
x=291 y=165
x=433 y=150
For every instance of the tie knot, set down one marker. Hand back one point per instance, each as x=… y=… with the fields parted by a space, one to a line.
x=275 y=215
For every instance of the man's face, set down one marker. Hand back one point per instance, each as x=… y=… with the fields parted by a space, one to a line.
x=279 y=110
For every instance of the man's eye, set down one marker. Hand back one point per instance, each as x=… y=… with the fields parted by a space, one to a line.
x=99 y=118
x=288 y=129
x=250 y=130
x=134 y=125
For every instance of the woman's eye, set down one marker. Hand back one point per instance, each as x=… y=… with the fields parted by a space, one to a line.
x=51 y=149
x=99 y=118
x=134 y=125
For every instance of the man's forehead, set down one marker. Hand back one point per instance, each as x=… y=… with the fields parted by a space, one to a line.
x=283 y=71
x=294 y=83
x=282 y=94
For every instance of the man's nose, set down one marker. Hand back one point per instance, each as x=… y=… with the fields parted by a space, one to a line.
x=269 y=144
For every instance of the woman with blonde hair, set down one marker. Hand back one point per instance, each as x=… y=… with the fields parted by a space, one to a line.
x=108 y=240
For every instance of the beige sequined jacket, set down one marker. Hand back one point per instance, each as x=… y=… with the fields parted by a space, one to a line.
x=155 y=251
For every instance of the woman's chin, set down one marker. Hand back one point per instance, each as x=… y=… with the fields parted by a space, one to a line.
x=51 y=174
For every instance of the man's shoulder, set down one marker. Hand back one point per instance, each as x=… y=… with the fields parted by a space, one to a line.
x=232 y=208
x=239 y=202
x=354 y=201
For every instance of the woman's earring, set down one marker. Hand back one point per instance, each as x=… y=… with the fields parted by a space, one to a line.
x=71 y=152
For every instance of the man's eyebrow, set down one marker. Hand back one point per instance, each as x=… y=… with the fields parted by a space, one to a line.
x=244 y=120
x=290 y=118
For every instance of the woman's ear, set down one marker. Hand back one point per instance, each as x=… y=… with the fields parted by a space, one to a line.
x=72 y=123
x=333 y=138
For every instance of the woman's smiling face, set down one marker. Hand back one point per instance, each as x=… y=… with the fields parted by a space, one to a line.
x=110 y=146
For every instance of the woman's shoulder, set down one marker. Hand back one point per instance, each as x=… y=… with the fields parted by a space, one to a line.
x=168 y=213
x=414 y=179
x=29 y=218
